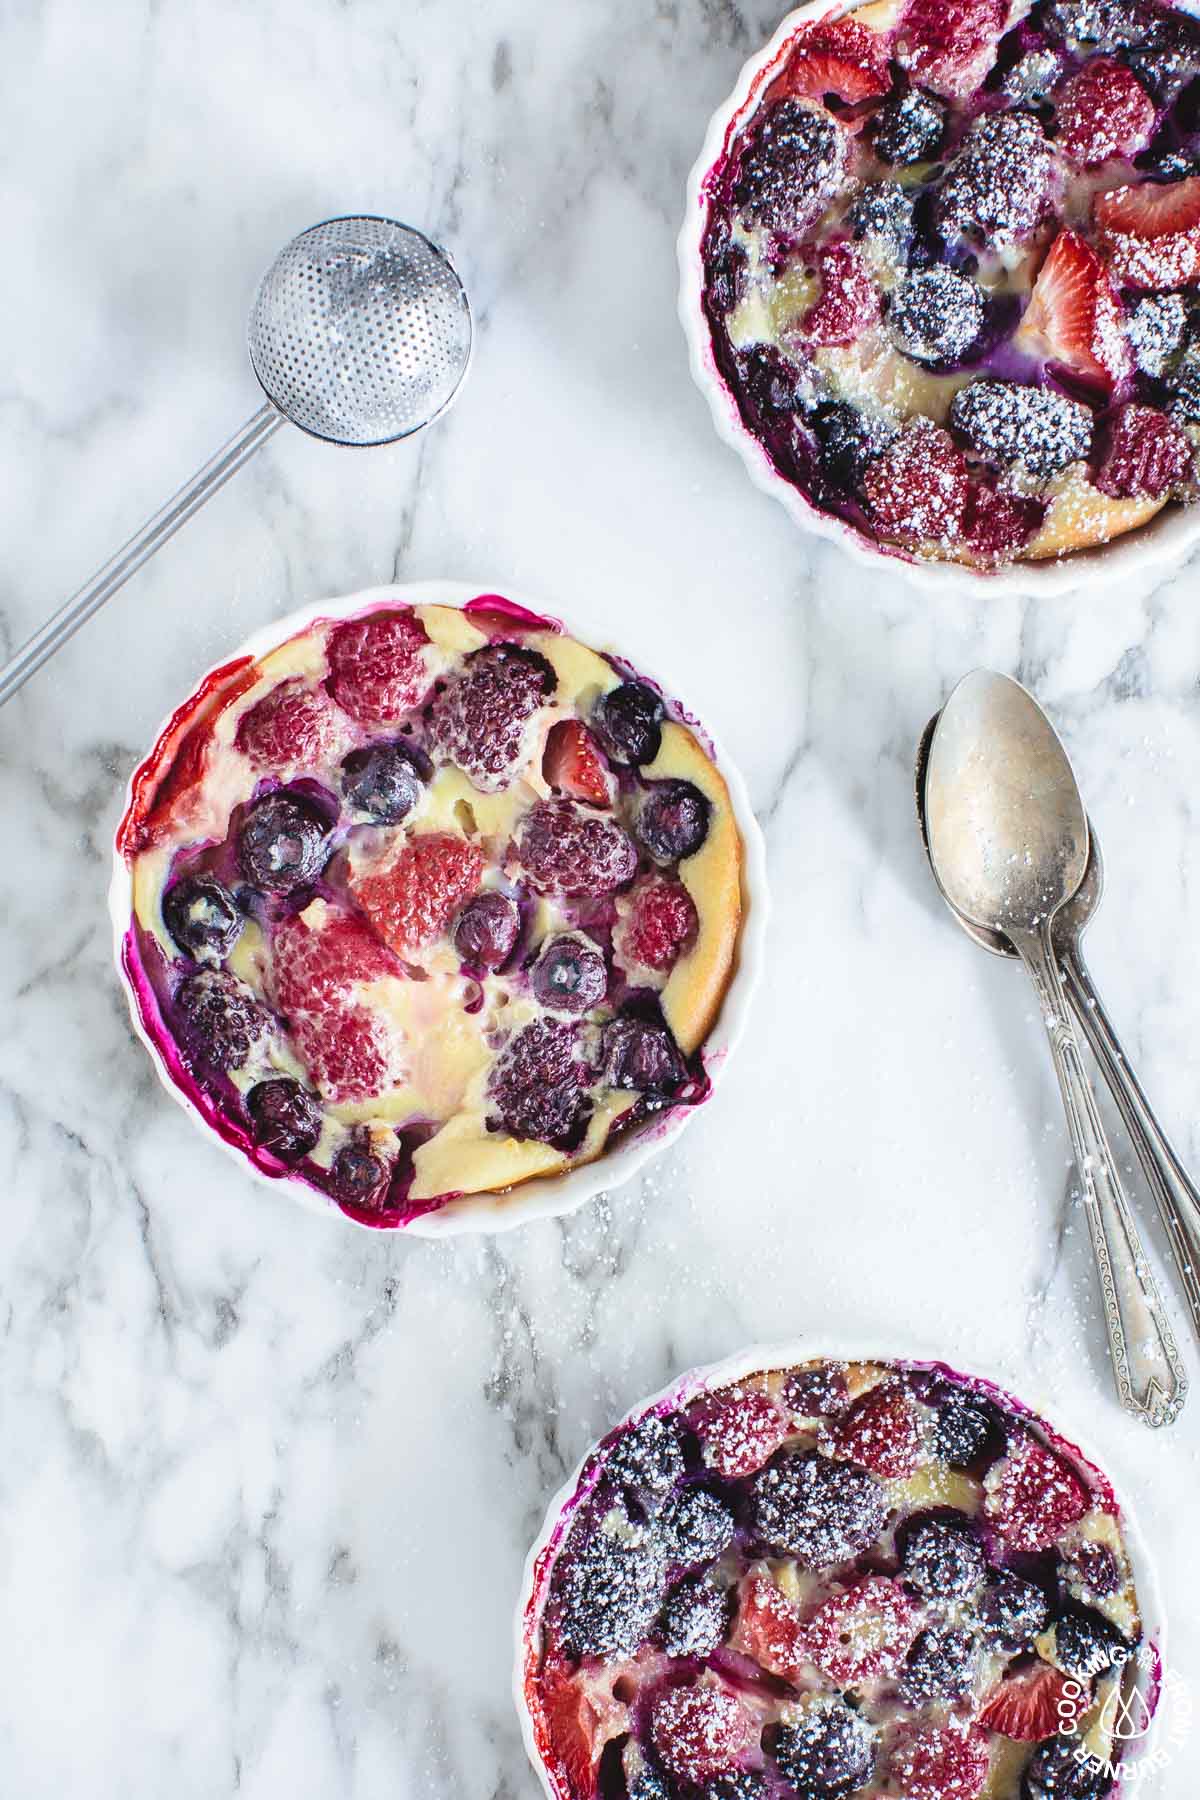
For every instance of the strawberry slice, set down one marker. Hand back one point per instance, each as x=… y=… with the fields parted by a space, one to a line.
x=863 y=1632
x=948 y=1763
x=849 y=301
x=740 y=1430
x=411 y=899
x=1152 y=233
x=581 y=1716
x=1032 y=1495
x=837 y=56
x=769 y=1630
x=882 y=1431
x=572 y=764
x=1103 y=111
x=949 y=45
x=1025 y=1706
x=1074 y=316
x=702 y=1731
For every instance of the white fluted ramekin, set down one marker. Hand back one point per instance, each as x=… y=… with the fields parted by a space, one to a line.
x=1167 y=539
x=543 y=1196
x=539 y=1565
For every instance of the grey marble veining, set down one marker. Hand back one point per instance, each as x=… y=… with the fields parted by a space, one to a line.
x=267 y=1483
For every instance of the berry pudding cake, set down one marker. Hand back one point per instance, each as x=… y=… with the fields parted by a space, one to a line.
x=428 y=901
x=833 y=1579
x=949 y=266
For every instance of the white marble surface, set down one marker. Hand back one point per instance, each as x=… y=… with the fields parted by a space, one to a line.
x=266 y=1483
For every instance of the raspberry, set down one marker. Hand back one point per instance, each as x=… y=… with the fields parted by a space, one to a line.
x=479 y=720
x=536 y=1084
x=790 y=169
x=918 y=490
x=999 y=525
x=862 y=1633
x=655 y=923
x=950 y=44
x=343 y=1045
x=224 y=1015
x=411 y=899
x=1032 y=1495
x=292 y=726
x=702 y=1731
x=849 y=301
x=947 y=1763
x=740 y=1430
x=1146 y=456
x=769 y=1630
x=565 y=850
x=377 y=667
x=882 y=1431
x=1103 y=111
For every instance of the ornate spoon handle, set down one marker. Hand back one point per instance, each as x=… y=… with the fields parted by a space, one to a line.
x=1151 y=1381
x=1174 y=1191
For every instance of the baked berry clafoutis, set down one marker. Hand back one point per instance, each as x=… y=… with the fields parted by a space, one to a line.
x=951 y=271
x=429 y=901
x=832 y=1579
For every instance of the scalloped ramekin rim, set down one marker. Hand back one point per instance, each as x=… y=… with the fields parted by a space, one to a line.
x=544 y=1196
x=905 y=1353
x=1165 y=541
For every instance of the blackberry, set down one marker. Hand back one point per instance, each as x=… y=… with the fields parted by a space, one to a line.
x=942 y=1559
x=1057 y=1773
x=746 y=1785
x=850 y=439
x=909 y=129
x=1013 y=1612
x=224 y=1017
x=480 y=718
x=566 y=850
x=791 y=168
x=696 y=1526
x=828 y=1752
x=649 y=1460
x=202 y=917
x=819 y=1511
x=610 y=1585
x=942 y=1665
x=696 y=1617
x=1184 y=390
x=536 y=1085
x=998 y=188
x=1090 y=25
x=1007 y=422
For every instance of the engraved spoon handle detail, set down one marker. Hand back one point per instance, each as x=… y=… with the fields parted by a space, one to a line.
x=1173 y=1189
x=1150 y=1376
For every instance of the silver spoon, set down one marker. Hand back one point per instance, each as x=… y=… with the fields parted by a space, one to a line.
x=360 y=334
x=1009 y=845
x=1173 y=1191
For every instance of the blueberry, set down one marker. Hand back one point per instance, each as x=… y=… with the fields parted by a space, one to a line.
x=610 y=1585
x=286 y=1118
x=357 y=1174
x=696 y=1617
x=649 y=1459
x=942 y=1665
x=1093 y=1566
x=745 y=1785
x=283 y=843
x=628 y=722
x=819 y=1511
x=384 y=781
x=829 y=1751
x=202 y=917
x=1032 y=79
x=569 y=975
x=909 y=129
x=487 y=930
x=966 y=1432
x=1058 y=1772
x=1008 y=422
x=1013 y=1612
x=942 y=1559
x=697 y=1527
x=937 y=316
x=672 y=820
x=883 y=211
x=850 y=439
x=640 y=1055
x=224 y=1016
x=1085 y=1644
x=791 y=167
x=642 y=1780
x=817 y=1391
x=776 y=387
